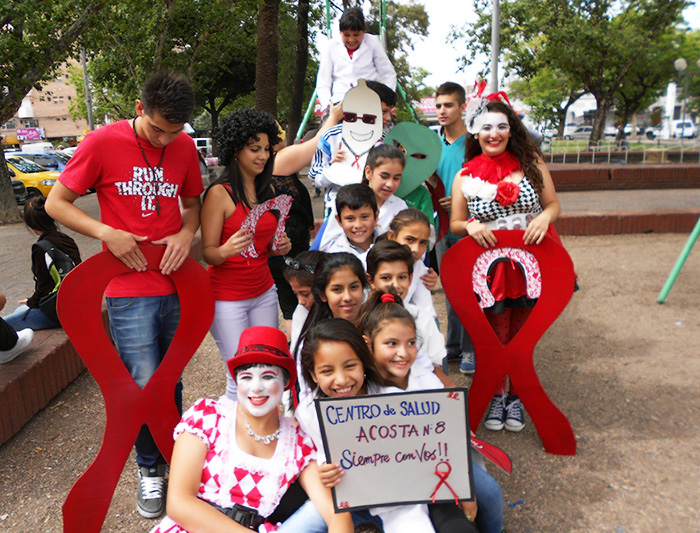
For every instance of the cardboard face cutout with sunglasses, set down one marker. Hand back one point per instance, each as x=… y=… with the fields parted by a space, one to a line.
x=362 y=129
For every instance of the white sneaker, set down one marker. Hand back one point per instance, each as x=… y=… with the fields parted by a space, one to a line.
x=150 y=494
x=24 y=339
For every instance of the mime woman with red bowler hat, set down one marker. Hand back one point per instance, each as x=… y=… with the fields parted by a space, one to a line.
x=233 y=461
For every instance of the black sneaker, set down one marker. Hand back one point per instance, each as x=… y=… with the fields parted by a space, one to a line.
x=495 y=421
x=515 y=421
x=150 y=495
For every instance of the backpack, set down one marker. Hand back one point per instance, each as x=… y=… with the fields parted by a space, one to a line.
x=58 y=264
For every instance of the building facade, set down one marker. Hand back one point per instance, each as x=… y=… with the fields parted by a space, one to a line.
x=44 y=115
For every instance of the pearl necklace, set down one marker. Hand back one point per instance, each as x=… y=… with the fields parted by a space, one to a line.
x=266 y=439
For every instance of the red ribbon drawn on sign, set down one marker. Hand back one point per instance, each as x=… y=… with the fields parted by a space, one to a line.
x=127 y=406
x=493 y=359
x=443 y=475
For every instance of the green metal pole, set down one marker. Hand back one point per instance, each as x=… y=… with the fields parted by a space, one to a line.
x=408 y=105
x=679 y=263
x=309 y=108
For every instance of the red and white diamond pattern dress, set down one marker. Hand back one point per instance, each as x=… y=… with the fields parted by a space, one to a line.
x=231 y=476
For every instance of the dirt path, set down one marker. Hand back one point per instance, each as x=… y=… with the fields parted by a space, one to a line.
x=624 y=369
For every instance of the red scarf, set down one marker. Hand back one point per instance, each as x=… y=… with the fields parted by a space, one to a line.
x=492 y=169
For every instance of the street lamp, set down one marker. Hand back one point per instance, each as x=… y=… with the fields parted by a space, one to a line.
x=680 y=65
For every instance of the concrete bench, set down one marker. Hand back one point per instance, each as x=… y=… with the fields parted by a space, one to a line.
x=32 y=380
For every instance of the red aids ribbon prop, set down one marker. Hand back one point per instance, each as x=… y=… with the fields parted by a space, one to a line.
x=356 y=163
x=493 y=359
x=443 y=475
x=493 y=454
x=127 y=406
x=282 y=203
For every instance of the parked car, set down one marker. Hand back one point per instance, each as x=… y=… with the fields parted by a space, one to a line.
x=653 y=132
x=37 y=147
x=582 y=132
x=683 y=128
x=679 y=128
x=70 y=150
x=569 y=128
x=610 y=131
x=36 y=179
x=20 y=191
x=628 y=130
x=49 y=160
x=203 y=142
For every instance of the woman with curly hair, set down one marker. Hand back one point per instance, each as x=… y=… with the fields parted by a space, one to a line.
x=504 y=184
x=244 y=290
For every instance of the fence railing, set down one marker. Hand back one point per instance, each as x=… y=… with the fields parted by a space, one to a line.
x=620 y=153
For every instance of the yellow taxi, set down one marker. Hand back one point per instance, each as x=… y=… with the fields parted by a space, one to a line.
x=36 y=178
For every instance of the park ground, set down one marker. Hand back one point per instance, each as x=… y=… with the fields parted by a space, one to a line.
x=624 y=370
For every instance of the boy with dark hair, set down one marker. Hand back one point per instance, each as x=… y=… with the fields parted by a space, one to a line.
x=450 y=103
x=357 y=210
x=350 y=56
x=390 y=264
x=148 y=182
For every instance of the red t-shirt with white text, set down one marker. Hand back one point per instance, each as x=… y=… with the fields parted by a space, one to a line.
x=109 y=159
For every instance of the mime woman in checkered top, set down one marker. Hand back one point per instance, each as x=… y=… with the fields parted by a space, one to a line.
x=234 y=460
x=504 y=184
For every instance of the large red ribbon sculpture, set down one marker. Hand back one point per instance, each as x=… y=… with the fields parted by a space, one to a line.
x=127 y=406
x=493 y=359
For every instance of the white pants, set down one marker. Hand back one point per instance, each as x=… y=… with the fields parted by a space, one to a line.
x=232 y=317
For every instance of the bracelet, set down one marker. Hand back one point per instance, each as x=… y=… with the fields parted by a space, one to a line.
x=472 y=219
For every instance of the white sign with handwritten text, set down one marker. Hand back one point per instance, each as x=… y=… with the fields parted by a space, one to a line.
x=400 y=448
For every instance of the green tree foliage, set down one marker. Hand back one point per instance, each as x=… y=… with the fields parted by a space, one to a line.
x=594 y=43
x=646 y=80
x=404 y=23
x=549 y=95
x=35 y=38
x=689 y=49
x=212 y=42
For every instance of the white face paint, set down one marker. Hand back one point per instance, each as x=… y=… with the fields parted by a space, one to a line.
x=260 y=389
x=494 y=134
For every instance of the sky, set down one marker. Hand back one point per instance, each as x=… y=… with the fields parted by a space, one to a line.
x=443 y=64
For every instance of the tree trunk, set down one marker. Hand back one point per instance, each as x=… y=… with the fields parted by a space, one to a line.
x=10 y=100
x=9 y=214
x=267 y=57
x=602 y=109
x=300 y=64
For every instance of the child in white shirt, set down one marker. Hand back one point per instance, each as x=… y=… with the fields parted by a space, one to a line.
x=412 y=228
x=352 y=55
x=385 y=164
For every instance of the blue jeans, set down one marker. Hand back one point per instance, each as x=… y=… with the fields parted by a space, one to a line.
x=29 y=317
x=142 y=328
x=309 y=520
x=489 y=501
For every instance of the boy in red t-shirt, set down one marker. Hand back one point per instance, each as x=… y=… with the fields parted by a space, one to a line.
x=143 y=170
